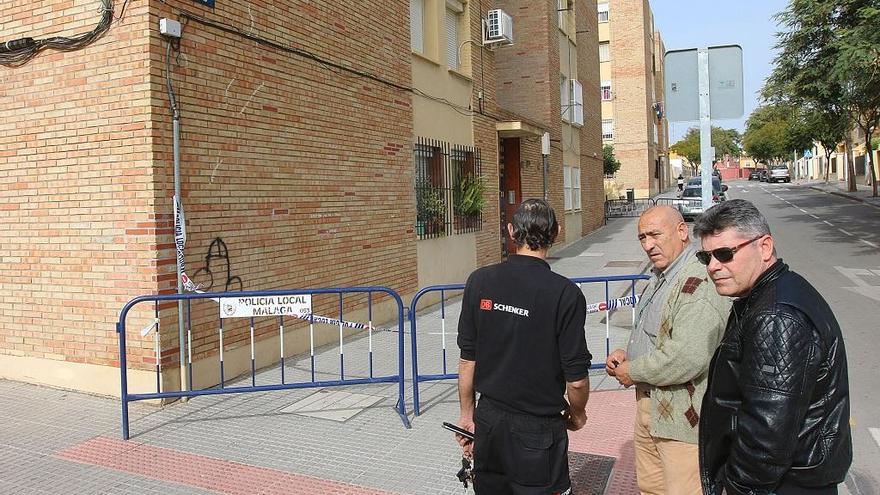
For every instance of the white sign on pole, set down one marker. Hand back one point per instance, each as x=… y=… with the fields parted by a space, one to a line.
x=248 y=307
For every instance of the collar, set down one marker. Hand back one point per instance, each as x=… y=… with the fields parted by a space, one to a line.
x=524 y=260
x=769 y=275
x=672 y=270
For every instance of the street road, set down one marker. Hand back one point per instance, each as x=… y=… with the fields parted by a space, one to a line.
x=834 y=243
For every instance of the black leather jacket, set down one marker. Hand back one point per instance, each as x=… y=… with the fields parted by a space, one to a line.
x=777 y=406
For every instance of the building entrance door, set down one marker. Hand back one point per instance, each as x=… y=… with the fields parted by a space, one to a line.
x=510 y=187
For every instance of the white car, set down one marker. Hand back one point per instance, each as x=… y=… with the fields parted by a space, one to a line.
x=691 y=203
x=779 y=173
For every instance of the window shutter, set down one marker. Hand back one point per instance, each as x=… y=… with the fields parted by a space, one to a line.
x=417 y=25
x=577 y=102
x=452 y=39
x=564 y=98
x=567 y=187
x=604 y=51
x=576 y=188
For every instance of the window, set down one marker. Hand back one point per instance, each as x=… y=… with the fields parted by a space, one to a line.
x=656 y=140
x=449 y=190
x=603 y=12
x=453 y=18
x=607 y=129
x=565 y=98
x=604 y=51
x=566 y=182
x=572 y=188
x=417 y=25
x=605 y=89
x=563 y=7
x=577 y=102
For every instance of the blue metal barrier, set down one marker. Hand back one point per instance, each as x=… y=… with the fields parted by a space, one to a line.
x=608 y=303
x=309 y=317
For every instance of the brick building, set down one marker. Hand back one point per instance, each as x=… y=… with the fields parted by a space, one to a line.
x=631 y=70
x=315 y=138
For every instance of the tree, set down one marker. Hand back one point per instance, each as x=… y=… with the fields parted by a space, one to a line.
x=775 y=131
x=610 y=162
x=725 y=141
x=829 y=62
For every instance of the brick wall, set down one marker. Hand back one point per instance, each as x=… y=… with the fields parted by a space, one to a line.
x=592 y=185
x=78 y=227
x=631 y=63
x=303 y=170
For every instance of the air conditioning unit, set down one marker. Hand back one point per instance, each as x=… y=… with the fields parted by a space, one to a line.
x=498 y=28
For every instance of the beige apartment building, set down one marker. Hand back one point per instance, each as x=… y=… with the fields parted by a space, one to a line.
x=321 y=145
x=633 y=118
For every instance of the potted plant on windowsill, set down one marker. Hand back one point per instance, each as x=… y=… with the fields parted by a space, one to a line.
x=430 y=210
x=469 y=201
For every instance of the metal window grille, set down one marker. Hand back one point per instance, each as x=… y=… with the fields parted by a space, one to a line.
x=442 y=174
x=603 y=12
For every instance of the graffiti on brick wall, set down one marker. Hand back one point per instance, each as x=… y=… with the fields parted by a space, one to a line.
x=216 y=260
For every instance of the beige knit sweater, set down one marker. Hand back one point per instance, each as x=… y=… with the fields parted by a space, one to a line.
x=691 y=326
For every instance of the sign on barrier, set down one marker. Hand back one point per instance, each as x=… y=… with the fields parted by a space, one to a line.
x=274 y=305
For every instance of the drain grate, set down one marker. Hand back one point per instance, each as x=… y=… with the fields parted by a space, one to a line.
x=335 y=405
x=589 y=473
x=622 y=264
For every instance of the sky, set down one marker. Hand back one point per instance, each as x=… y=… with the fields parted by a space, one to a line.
x=702 y=23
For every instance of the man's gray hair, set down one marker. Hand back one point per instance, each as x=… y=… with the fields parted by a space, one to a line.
x=737 y=214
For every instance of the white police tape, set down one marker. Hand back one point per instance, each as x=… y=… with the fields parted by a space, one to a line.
x=180 y=242
x=612 y=304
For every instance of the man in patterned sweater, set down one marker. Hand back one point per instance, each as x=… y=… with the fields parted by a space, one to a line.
x=679 y=323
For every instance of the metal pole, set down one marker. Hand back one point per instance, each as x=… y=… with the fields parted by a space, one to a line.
x=544 y=167
x=706 y=157
x=175 y=126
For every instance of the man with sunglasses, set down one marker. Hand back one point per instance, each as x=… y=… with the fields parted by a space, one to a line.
x=679 y=321
x=775 y=418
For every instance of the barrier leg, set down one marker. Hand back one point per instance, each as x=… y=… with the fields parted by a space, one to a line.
x=401 y=398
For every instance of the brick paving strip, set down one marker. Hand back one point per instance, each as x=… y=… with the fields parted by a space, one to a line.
x=202 y=472
x=609 y=432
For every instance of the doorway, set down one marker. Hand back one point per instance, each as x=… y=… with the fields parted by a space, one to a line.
x=510 y=187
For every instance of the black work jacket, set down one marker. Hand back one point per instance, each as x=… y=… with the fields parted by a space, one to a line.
x=776 y=411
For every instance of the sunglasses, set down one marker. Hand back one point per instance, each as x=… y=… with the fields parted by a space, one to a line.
x=724 y=254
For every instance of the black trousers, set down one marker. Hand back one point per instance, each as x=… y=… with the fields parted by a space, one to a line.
x=519 y=454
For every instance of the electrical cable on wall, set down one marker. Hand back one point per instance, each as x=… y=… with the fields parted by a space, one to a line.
x=333 y=66
x=17 y=52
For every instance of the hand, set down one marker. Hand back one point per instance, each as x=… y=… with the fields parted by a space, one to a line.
x=613 y=361
x=575 y=421
x=467 y=446
x=622 y=374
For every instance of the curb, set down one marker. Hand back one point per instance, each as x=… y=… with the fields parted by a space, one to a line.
x=845 y=195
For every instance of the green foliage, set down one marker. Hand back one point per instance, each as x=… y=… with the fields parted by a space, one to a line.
x=469 y=196
x=610 y=162
x=775 y=131
x=429 y=202
x=725 y=141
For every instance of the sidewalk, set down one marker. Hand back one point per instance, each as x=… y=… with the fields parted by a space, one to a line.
x=346 y=440
x=862 y=194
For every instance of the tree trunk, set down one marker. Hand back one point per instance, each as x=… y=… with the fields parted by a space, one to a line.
x=850 y=166
x=827 y=163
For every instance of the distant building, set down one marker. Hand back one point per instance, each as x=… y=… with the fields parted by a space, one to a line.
x=633 y=117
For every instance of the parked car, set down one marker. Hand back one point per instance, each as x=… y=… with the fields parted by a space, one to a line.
x=718 y=189
x=691 y=204
x=762 y=175
x=755 y=175
x=779 y=173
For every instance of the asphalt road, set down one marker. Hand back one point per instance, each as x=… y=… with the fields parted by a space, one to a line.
x=834 y=243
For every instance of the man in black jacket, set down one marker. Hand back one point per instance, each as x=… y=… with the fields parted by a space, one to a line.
x=775 y=418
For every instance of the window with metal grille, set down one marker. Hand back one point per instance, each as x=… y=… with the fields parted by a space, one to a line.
x=605 y=89
x=450 y=193
x=607 y=129
x=603 y=12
